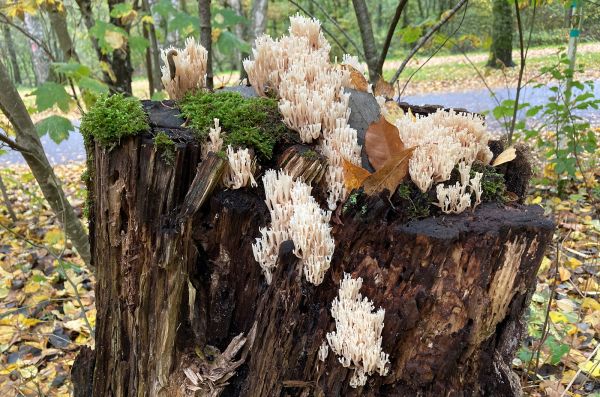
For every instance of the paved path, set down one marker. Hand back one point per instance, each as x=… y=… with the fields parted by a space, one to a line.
x=475 y=100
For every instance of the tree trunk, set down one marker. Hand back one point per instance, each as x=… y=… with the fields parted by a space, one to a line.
x=368 y=40
x=177 y=284
x=26 y=136
x=206 y=38
x=85 y=7
x=121 y=57
x=16 y=73
x=41 y=61
x=154 y=51
x=58 y=21
x=502 y=35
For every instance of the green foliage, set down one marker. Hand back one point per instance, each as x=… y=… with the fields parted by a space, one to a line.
x=572 y=136
x=246 y=122
x=165 y=146
x=112 y=118
x=80 y=75
x=57 y=127
x=49 y=94
x=109 y=36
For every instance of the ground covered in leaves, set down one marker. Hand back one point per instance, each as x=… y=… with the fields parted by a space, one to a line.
x=47 y=300
x=46 y=295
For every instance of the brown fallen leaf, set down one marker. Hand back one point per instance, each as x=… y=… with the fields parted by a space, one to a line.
x=392 y=112
x=383 y=88
x=382 y=141
x=390 y=175
x=354 y=175
x=508 y=155
x=357 y=79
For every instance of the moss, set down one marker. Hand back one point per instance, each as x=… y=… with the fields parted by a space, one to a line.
x=309 y=154
x=222 y=154
x=246 y=122
x=165 y=146
x=492 y=182
x=410 y=200
x=112 y=118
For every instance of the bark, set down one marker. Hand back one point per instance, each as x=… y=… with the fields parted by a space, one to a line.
x=7 y=202
x=85 y=7
x=58 y=21
x=177 y=285
x=206 y=38
x=154 y=51
x=259 y=18
x=8 y=41
x=502 y=35
x=390 y=35
x=368 y=40
x=121 y=57
x=26 y=137
x=41 y=60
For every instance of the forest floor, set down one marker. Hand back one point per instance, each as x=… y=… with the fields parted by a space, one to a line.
x=47 y=296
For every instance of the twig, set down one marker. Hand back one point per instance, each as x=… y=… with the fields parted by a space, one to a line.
x=298 y=6
x=346 y=35
x=390 y=34
x=42 y=45
x=425 y=38
x=564 y=393
x=523 y=55
x=7 y=202
x=401 y=92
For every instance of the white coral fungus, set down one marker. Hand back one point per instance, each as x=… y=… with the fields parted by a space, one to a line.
x=357 y=336
x=184 y=69
x=456 y=199
x=296 y=216
x=214 y=142
x=443 y=140
x=312 y=100
x=240 y=169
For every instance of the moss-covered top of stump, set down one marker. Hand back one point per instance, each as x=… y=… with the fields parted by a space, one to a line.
x=246 y=122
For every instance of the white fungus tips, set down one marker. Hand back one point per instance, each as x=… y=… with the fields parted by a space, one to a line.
x=240 y=169
x=214 y=142
x=311 y=93
x=296 y=216
x=357 y=336
x=323 y=351
x=184 y=69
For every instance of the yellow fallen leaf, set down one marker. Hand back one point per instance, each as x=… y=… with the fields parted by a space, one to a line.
x=590 y=303
x=558 y=317
x=28 y=372
x=590 y=285
x=573 y=263
x=591 y=367
x=536 y=200
x=508 y=155
x=546 y=263
x=31 y=287
x=354 y=175
x=567 y=376
x=392 y=112
x=564 y=274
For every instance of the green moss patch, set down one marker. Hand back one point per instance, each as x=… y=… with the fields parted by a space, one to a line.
x=245 y=122
x=113 y=117
x=492 y=182
x=165 y=146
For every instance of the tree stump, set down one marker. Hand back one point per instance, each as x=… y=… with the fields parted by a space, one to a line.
x=178 y=288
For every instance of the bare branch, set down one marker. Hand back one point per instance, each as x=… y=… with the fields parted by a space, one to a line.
x=346 y=35
x=427 y=36
x=327 y=32
x=390 y=34
x=42 y=45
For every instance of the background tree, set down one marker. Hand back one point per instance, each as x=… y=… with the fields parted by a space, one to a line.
x=502 y=34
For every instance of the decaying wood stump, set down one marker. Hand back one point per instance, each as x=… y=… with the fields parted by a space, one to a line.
x=177 y=285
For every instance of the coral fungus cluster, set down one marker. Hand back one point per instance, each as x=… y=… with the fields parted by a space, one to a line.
x=184 y=69
x=296 y=216
x=357 y=336
x=310 y=89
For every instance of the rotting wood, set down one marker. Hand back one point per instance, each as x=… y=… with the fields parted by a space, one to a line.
x=454 y=287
